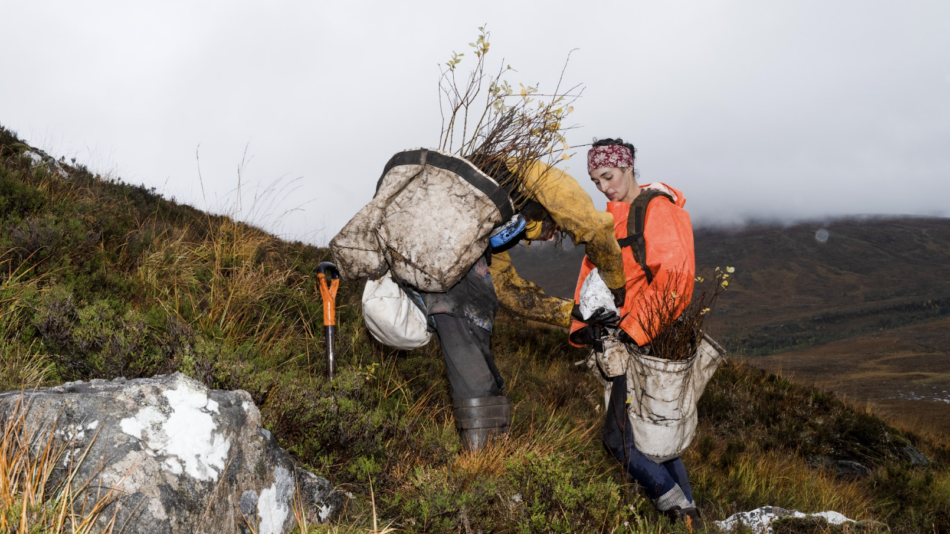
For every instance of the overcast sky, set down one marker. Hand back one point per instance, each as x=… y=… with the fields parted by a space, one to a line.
x=796 y=109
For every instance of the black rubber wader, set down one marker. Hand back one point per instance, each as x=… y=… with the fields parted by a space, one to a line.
x=480 y=420
x=462 y=319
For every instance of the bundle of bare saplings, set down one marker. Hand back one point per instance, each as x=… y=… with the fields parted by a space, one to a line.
x=676 y=336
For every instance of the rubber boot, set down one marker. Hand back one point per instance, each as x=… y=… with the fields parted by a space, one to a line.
x=480 y=420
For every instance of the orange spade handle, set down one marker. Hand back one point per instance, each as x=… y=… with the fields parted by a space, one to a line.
x=329 y=299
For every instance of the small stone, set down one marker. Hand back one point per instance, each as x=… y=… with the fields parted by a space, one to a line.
x=915 y=456
x=851 y=470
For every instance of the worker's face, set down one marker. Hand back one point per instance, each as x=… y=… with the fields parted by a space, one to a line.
x=617 y=184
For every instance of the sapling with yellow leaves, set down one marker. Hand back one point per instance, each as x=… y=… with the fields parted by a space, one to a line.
x=502 y=129
x=675 y=337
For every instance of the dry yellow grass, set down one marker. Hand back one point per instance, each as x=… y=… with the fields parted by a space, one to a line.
x=30 y=499
x=224 y=264
x=779 y=479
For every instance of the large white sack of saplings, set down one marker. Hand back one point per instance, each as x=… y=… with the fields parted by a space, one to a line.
x=663 y=396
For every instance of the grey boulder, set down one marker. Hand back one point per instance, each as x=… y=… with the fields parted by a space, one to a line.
x=182 y=457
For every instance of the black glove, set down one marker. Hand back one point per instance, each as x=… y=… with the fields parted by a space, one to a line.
x=586 y=335
x=600 y=317
x=594 y=331
x=620 y=295
x=603 y=317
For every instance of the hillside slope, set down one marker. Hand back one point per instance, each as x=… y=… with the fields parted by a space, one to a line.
x=99 y=278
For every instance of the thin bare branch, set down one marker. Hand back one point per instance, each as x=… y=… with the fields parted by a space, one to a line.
x=514 y=129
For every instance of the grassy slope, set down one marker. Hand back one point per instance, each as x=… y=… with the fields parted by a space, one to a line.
x=102 y=279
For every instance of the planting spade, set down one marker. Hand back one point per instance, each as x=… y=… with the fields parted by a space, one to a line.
x=329 y=307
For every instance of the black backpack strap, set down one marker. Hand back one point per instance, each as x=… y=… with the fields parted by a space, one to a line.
x=463 y=168
x=636 y=221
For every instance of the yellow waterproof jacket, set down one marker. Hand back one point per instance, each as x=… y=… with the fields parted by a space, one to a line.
x=573 y=211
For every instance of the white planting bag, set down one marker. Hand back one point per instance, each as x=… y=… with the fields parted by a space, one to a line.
x=615 y=358
x=391 y=316
x=595 y=294
x=663 y=396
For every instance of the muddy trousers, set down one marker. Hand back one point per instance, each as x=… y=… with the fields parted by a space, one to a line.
x=462 y=320
x=666 y=483
x=469 y=363
x=481 y=412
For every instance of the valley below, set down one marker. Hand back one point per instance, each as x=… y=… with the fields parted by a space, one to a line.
x=903 y=374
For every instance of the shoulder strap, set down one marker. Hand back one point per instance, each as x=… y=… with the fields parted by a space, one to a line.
x=464 y=169
x=636 y=221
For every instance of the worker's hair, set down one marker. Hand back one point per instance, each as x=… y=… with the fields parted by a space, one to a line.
x=619 y=141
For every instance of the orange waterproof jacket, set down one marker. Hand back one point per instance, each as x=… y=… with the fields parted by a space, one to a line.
x=668 y=233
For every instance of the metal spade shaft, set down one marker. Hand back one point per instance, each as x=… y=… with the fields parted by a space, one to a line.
x=329 y=308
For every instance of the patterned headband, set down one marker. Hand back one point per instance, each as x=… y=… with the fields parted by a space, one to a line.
x=609 y=156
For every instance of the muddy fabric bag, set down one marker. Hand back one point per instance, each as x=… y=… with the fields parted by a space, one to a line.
x=663 y=396
x=429 y=222
x=613 y=360
x=392 y=317
x=607 y=364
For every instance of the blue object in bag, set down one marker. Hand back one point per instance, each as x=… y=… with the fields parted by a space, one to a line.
x=509 y=231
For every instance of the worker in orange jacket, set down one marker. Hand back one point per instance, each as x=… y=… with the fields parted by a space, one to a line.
x=659 y=264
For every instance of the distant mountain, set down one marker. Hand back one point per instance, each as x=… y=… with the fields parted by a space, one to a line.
x=804 y=284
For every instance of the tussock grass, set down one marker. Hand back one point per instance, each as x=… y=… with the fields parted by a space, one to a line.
x=754 y=480
x=21 y=367
x=35 y=499
x=101 y=279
